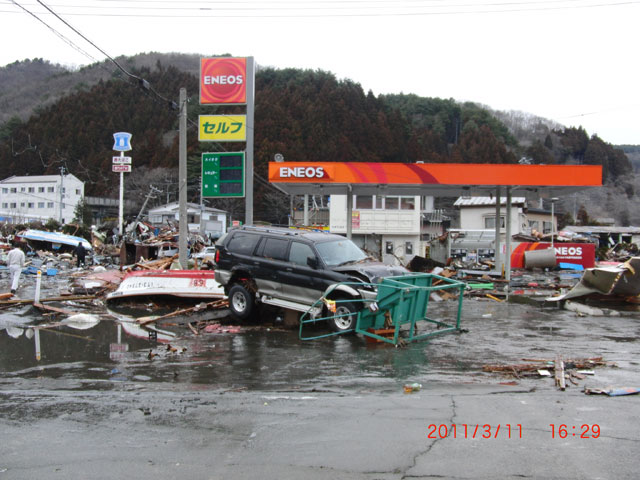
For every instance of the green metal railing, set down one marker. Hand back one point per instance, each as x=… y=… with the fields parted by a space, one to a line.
x=401 y=302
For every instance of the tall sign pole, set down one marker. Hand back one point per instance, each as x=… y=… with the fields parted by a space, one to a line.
x=182 y=181
x=228 y=81
x=122 y=143
x=248 y=216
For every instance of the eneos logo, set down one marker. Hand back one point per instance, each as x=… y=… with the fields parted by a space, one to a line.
x=569 y=251
x=302 y=172
x=223 y=80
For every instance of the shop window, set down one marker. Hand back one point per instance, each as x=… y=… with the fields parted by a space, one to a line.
x=407 y=203
x=363 y=202
x=391 y=203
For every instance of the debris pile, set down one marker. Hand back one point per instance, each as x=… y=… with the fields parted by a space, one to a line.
x=569 y=370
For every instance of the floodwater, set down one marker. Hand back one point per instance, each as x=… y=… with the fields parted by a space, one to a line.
x=108 y=348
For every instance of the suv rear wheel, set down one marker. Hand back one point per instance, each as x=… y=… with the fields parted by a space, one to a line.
x=241 y=301
x=344 y=318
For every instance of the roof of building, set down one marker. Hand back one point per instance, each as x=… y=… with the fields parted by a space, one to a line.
x=486 y=201
x=37 y=178
x=601 y=229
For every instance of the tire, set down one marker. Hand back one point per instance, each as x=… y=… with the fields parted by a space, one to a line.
x=241 y=302
x=345 y=317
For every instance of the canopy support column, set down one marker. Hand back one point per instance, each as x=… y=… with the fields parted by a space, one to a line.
x=507 y=254
x=349 y=211
x=498 y=259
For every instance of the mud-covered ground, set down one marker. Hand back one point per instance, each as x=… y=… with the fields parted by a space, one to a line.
x=260 y=403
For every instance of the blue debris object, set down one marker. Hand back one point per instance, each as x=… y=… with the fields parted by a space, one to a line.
x=570 y=266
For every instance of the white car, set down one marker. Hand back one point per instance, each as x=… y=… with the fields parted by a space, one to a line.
x=207 y=254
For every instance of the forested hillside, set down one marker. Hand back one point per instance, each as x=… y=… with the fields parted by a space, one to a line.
x=302 y=114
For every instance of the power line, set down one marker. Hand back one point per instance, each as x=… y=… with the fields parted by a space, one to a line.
x=357 y=11
x=65 y=39
x=144 y=84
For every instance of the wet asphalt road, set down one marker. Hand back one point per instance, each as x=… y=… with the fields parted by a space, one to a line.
x=262 y=404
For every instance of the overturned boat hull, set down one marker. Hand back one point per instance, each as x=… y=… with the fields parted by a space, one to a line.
x=173 y=283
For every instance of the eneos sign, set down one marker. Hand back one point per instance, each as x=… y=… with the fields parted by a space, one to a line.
x=223 y=80
x=579 y=253
x=301 y=172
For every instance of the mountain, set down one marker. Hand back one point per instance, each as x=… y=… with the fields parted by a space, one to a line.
x=53 y=118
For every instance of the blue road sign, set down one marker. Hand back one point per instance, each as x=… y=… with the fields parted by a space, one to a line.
x=122 y=141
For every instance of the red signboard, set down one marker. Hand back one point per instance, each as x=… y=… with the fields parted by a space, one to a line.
x=223 y=80
x=121 y=168
x=579 y=253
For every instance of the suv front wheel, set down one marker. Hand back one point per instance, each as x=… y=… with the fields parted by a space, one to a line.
x=345 y=317
x=241 y=301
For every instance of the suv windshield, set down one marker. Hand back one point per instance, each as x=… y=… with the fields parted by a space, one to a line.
x=339 y=252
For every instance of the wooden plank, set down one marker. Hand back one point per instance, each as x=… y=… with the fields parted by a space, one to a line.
x=559 y=373
x=51 y=299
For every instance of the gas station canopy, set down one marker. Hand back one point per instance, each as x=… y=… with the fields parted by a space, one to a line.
x=437 y=179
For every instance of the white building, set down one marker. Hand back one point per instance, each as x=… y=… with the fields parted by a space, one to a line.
x=39 y=198
x=205 y=220
x=479 y=213
x=389 y=226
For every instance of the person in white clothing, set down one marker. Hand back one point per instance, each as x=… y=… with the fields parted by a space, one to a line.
x=15 y=261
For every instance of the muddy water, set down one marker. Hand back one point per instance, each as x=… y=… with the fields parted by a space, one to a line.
x=107 y=349
x=116 y=351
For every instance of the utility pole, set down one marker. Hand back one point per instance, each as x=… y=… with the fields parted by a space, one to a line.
x=61 y=192
x=182 y=181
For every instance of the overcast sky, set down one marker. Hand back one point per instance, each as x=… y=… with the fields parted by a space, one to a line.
x=572 y=61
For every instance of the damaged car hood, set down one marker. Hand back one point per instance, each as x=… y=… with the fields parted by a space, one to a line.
x=371 y=272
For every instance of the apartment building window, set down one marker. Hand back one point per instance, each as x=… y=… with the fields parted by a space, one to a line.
x=22 y=204
x=40 y=189
x=22 y=189
x=49 y=204
x=30 y=205
x=32 y=189
x=40 y=204
x=5 y=205
x=5 y=190
x=12 y=205
x=13 y=190
x=77 y=191
x=50 y=189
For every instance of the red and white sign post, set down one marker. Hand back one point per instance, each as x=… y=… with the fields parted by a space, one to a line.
x=121 y=164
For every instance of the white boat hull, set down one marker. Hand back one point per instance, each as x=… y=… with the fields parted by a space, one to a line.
x=177 y=283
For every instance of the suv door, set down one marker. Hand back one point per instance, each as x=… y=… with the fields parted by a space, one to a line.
x=269 y=262
x=301 y=282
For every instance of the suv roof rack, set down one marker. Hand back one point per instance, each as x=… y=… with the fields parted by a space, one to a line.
x=282 y=230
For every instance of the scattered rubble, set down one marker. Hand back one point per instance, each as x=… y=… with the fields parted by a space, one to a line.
x=569 y=370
